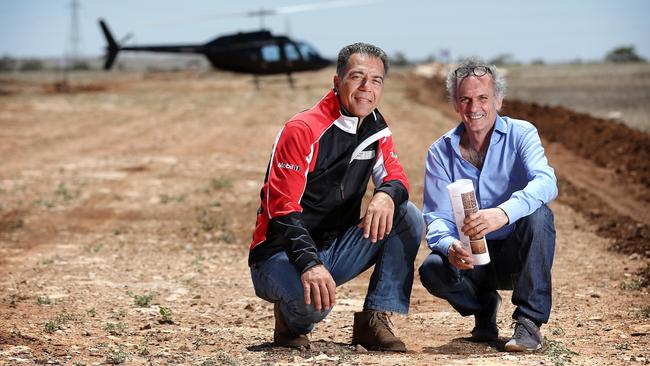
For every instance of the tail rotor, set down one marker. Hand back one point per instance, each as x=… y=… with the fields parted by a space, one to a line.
x=112 y=47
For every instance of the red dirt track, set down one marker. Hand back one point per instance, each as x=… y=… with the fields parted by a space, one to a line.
x=126 y=184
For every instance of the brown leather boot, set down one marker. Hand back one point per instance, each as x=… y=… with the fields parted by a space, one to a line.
x=283 y=336
x=372 y=330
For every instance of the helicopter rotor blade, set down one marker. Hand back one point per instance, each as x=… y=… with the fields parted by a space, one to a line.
x=196 y=18
x=263 y=12
x=324 y=5
x=126 y=38
x=260 y=13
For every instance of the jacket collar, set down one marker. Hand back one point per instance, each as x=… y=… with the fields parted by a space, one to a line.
x=345 y=121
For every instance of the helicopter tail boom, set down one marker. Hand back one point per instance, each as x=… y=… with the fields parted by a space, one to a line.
x=112 y=48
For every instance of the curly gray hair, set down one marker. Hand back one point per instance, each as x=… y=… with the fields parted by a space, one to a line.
x=498 y=81
x=363 y=49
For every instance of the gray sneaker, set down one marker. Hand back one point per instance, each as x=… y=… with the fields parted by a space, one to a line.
x=526 y=338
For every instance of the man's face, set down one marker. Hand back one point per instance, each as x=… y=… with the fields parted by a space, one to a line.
x=476 y=104
x=361 y=85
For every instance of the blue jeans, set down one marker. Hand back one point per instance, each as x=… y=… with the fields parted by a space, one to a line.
x=277 y=280
x=521 y=262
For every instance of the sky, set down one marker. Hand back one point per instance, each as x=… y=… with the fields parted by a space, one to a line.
x=551 y=30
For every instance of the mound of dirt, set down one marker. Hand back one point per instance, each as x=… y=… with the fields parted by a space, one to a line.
x=628 y=236
x=606 y=142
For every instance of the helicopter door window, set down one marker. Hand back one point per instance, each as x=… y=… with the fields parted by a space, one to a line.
x=271 y=53
x=307 y=51
x=291 y=52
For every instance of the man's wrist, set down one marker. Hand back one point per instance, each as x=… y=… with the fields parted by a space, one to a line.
x=311 y=264
x=386 y=192
x=505 y=214
x=444 y=245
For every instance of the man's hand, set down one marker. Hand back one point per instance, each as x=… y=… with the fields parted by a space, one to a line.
x=483 y=222
x=459 y=257
x=318 y=281
x=378 y=220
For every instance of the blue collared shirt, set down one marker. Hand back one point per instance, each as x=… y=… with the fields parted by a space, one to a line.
x=515 y=177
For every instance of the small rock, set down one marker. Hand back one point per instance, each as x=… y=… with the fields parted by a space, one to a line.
x=17 y=350
x=184 y=348
x=596 y=318
x=28 y=337
x=639 y=330
x=634 y=256
x=145 y=327
x=321 y=357
x=18 y=359
x=595 y=295
x=510 y=358
x=361 y=349
x=85 y=333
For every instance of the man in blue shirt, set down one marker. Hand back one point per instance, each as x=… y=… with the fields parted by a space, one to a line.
x=513 y=182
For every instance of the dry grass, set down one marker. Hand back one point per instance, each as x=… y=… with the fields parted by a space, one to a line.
x=615 y=91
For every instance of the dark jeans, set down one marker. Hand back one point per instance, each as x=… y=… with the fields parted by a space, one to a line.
x=277 y=280
x=521 y=262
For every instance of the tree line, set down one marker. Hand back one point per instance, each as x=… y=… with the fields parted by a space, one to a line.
x=625 y=53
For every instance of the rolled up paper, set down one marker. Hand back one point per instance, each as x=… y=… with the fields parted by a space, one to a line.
x=463 y=203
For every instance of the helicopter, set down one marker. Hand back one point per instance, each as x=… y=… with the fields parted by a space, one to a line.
x=257 y=53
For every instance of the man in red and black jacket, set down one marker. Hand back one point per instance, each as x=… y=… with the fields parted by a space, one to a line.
x=309 y=239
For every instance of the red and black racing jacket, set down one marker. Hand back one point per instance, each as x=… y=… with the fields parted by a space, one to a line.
x=317 y=176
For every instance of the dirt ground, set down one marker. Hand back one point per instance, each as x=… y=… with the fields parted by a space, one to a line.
x=127 y=204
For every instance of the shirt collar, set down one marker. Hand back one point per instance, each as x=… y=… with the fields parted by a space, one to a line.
x=500 y=125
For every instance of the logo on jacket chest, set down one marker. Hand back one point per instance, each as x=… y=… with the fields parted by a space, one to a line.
x=365 y=155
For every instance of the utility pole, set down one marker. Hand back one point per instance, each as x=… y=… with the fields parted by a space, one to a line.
x=73 y=51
